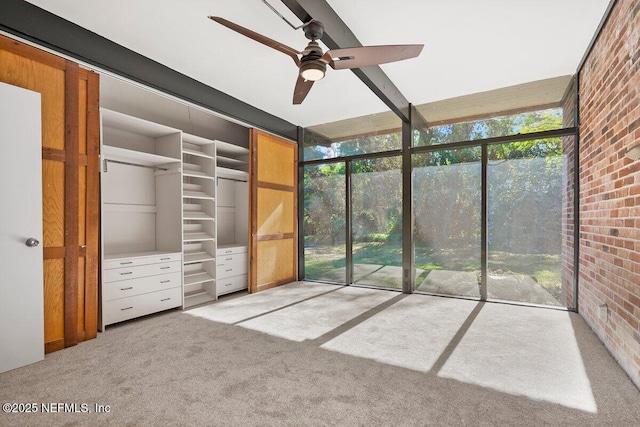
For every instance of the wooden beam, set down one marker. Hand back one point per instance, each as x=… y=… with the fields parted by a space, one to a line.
x=338 y=35
x=32 y=23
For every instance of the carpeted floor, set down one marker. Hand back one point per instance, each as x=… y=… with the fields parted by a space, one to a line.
x=314 y=354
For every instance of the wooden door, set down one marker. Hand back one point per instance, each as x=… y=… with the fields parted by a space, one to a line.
x=21 y=296
x=273 y=200
x=70 y=187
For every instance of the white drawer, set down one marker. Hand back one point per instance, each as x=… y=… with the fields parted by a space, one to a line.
x=232 y=259
x=143 y=260
x=140 y=305
x=142 y=285
x=229 y=270
x=134 y=272
x=231 y=284
x=229 y=250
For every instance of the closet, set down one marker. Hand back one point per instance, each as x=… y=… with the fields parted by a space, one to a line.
x=175 y=218
x=141 y=217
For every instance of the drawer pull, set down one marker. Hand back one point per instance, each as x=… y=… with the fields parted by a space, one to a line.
x=164 y=259
x=229 y=269
x=125 y=273
x=228 y=284
x=165 y=281
x=228 y=252
x=164 y=268
x=229 y=259
x=165 y=299
x=127 y=262
x=126 y=289
x=127 y=308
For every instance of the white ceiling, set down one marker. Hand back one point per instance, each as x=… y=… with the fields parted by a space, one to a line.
x=470 y=46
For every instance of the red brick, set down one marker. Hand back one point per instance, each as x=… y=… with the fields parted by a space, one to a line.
x=610 y=185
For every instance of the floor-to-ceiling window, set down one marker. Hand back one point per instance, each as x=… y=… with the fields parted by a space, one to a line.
x=447 y=201
x=524 y=201
x=324 y=223
x=490 y=207
x=376 y=225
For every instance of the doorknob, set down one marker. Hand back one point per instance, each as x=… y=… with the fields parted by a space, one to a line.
x=31 y=242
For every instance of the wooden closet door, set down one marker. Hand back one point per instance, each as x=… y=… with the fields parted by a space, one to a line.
x=273 y=200
x=70 y=187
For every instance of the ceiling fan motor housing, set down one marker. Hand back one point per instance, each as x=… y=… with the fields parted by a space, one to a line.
x=313 y=30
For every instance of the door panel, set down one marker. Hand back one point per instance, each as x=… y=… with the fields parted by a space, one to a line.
x=275 y=260
x=21 y=294
x=273 y=211
x=70 y=160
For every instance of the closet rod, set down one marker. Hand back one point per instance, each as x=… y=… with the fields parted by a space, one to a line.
x=131 y=164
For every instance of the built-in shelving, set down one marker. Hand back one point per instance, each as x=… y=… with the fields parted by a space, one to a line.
x=198 y=216
x=141 y=218
x=232 y=217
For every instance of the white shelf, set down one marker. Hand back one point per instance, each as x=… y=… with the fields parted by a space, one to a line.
x=232 y=173
x=231 y=163
x=197 y=277
x=196 y=195
x=195 y=139
x=197 y=297
x=110 y=152
x=196 y=174
x=197 y=216
x=116 y=120
x=230 y=150
x=191 y=257
x=196 y=237
x=196 y=153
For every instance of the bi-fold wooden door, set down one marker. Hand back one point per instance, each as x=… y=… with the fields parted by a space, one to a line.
x=70 y=187
x=274 y=233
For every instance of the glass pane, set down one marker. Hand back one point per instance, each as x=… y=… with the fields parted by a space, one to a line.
x=377 y=222
x=324 y=222
x=447 y=201
x=527 y=122
x=525 y=203
x=359 y=135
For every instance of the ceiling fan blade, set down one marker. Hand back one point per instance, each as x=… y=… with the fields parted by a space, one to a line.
x=259 y=38
x=301 y=90
x=365 y=56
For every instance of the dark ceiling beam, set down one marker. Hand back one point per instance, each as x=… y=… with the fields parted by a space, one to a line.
x=337 y=35
x=43 y=28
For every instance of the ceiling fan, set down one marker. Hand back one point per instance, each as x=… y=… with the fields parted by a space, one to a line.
x=312 y=63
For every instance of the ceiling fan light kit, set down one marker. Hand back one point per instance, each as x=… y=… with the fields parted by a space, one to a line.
x=312 y=70
x=312 y=63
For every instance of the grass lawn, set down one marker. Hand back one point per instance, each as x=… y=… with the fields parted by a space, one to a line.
x=545 y=269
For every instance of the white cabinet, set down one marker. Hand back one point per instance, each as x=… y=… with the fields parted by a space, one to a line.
x=232 y=267
x=137 y=285
x=141 y=217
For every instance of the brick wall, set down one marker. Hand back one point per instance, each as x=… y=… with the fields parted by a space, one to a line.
x=610 y=186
